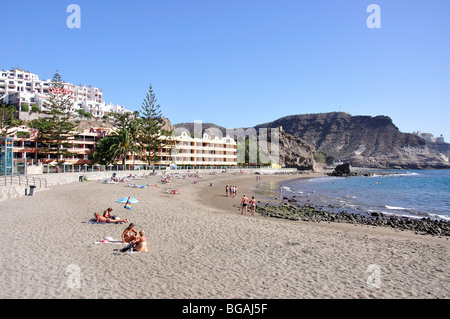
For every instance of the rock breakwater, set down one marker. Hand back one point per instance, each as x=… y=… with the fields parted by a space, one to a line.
x=424 y=226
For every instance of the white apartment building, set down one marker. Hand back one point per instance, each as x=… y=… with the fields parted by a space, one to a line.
x=429 y=137
x=19 y=87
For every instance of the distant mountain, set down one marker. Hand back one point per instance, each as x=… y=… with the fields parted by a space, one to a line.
x=361 y=140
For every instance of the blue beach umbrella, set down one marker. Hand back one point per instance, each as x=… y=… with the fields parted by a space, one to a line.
x=123 y=200
x=128 y=201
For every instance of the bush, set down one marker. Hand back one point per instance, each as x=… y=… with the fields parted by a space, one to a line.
x=24 y=107
x=35 y=108
x=23 y=134
x=322 y=157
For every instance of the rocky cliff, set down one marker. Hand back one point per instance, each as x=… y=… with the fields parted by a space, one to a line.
x=361 y=140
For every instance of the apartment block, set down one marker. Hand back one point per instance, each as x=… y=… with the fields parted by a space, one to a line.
x=18 y=87
x=187 y=152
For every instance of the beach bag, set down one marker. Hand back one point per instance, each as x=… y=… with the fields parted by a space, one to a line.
x=126 y=248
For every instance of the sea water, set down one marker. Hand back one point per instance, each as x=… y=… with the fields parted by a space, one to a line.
x=413 y=193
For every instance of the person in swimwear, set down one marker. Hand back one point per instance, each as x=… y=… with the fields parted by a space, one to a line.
x=244 y=204
x=127 y=235
x=140 y=243
x=101 y=219
x=253 y=205
x=107 y=213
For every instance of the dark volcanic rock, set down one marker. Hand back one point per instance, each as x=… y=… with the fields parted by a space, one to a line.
x=341 y=170
x=424 y=226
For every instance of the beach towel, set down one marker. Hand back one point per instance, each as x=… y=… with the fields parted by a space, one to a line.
x=95 y=222
x=109 y=240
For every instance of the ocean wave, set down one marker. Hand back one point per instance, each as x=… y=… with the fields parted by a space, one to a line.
x=396 y=208
x=416 y=215
x=384 y=175
x=447 y=218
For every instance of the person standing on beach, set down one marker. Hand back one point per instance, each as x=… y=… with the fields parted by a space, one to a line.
x=253 y=205
x=227 y=188
x=244 y=204
x=281 y=191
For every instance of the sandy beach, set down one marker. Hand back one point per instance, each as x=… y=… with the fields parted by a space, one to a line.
x=200 y=246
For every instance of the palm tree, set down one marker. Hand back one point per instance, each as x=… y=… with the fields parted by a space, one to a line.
x=135 y=132
x=121 y=145
x=102 y=154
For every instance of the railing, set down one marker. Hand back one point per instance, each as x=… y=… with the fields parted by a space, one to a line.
x=22 y=181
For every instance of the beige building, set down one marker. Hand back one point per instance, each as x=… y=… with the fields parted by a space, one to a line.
x=187 y=152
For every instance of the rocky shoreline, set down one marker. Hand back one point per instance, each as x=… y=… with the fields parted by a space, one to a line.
x=424 y=226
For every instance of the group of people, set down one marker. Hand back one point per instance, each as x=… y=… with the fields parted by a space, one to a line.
x=246 y=202
x=136 y=241
x=232 y=190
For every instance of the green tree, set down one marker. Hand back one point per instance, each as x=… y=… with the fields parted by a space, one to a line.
x=103 y=154
x=121 y=145
x=35 y=108
x=7 y=120
x=152 y=129
x=58 y=128
x=324 y=158
x=24 y=107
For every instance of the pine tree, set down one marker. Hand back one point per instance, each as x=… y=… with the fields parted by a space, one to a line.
x=56 y=131
x=152 y=129
x=7 y=120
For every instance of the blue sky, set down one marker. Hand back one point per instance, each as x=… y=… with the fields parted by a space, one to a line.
x=246 y=62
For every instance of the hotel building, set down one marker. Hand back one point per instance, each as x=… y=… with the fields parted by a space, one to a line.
x=187 y=152
x=18 y=87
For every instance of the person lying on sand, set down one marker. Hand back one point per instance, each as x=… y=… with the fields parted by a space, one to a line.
x=100 y=219
x=127 y=235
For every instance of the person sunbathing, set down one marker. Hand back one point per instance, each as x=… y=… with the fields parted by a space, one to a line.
x=127 y=235
x=107 y=213
x=140 y=243
x=101 y=219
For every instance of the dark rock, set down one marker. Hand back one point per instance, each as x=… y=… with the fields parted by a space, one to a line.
x=341 y=170
x=425 y=226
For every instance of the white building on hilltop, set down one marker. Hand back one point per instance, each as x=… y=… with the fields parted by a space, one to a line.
x=19 y=87
x=429 y=137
